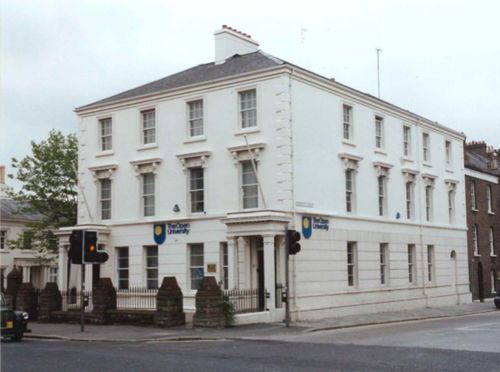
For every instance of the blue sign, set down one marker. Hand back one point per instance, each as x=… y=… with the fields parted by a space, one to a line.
x=306 y=227
x=178 y=228
x=159 y=233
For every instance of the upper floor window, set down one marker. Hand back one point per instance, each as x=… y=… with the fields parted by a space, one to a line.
x=447 y=146
x=426 y=147
x=249 y=186
x=406 y=141
x=409 y=200
x=352 y=258
x=196 y=189
x=106 y=134
x=347 y=113
x=53 y=274
x=383 y=263
x=195 y=118
x=428 y=203
x=27 y=240
x=474 y=240
x=349 y=190
x=492 y=241
x=489 y=198
x=3 y=239
x=148 y=194
x=248 y=108
x=122 y=264
x=148 y=126
x=151 y=267
x=196 y=265
x=379 y=132
x=381 y=195
x=105 y=198
x=473 y=194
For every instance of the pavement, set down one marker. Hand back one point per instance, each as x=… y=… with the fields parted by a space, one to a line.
x=273 y=331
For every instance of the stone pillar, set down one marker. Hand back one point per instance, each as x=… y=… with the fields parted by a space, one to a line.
x=62 y=261
x=209 y=305
x=14 y=280
x=50 y=300
x=232 y=261
x=103 y=299
x=269 y=268
x=169 y=304
x=26 y=300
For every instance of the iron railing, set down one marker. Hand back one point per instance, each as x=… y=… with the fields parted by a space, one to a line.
x=246 y=300
x=136 y=298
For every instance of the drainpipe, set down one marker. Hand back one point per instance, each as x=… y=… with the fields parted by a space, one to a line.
x=421 y=226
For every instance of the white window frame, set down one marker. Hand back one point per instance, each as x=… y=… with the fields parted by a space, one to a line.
x=379 y=132
x=382 y=195
x=347 y=128
x=475 y=244
x=409 y=200
x=473 y=200
x=384 y=263
x=451 y=206
x=194 y=282
x=194 y=191
x=53 y=274
x=428 y=203
x=224 y=265
x=448 y=152
x=352 y=264
x=412 y=269
x=491 y=238
x=406 y=141
x=489 y=198
x=426 y=149
x=144 y=196
x=148 y=126
x=242 y=111
x=103 y=200
x=196 y=121
x=119 y=268
x=431 y=275
x=3 y=240
x=245 y=187
x=106 y=136
x=349 y=190
x=151 y=269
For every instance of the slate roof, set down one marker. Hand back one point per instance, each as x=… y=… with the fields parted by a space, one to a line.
x=235 y=65
x=480 y=163
x=8 y=207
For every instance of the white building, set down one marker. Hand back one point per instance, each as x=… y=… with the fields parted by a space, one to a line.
x=27 y=260
x=383 y=187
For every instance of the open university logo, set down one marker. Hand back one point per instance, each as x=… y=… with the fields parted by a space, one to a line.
x=306 y=227
x=159 y=233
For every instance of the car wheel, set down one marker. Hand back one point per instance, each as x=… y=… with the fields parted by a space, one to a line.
x=18 y=336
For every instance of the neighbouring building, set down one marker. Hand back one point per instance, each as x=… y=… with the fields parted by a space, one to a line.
x=227 y=154
x=12 y=225
x=482 y=176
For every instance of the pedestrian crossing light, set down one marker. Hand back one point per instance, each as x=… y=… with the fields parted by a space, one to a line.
x=293 y=237
x=90 y=252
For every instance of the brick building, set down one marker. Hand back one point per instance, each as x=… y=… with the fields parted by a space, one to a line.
x=482 y=175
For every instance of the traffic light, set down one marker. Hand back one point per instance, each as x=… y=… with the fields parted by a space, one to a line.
x=293 y=237
x=90 y=252
x=75 y=249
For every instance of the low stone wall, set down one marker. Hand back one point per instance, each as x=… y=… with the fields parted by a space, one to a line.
x=132 y=317
x=72 y=317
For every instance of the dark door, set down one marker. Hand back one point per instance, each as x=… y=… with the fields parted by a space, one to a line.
x=480 y=281
x=260 y=276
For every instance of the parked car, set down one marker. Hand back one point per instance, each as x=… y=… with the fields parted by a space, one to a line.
x=497 y=300
x=14 y=323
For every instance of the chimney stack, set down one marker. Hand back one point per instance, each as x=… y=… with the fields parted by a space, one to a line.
x=2 y=174
x=478 y=147
x=229 y=41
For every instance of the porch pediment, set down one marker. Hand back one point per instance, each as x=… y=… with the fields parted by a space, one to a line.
x=262 y=222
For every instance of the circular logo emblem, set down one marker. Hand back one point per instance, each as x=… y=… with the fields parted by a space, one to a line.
x=158 y=230
x=305 y=222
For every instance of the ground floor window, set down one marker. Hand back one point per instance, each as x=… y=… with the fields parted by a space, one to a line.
x=53 y=275
x=411 y=263
x=224 y=265
x=383 y=263
x=493 y=282
x=351 y=264
x=196 y=265
x=430 y=262
x=122 y=267
x=151 y=252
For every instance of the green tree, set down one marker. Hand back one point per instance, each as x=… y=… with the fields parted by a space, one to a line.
x=49 y=188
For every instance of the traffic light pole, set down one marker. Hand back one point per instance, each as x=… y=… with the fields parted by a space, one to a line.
x=82 y=288
x=287 y=280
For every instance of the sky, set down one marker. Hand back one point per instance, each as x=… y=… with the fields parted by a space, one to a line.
x=439 y=59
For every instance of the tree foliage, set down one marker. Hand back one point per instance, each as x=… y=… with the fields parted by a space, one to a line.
x=49 y=188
